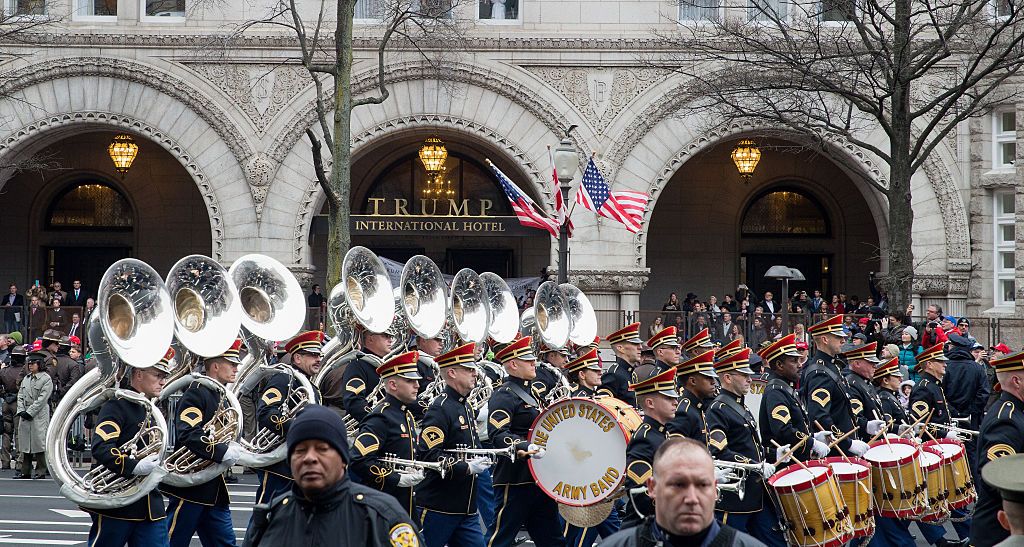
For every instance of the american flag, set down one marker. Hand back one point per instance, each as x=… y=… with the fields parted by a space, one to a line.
x=560 y=208
x=523 y=206
x=625 y=207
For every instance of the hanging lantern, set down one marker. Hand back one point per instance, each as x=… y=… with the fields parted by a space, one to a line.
x=123 y=151
x=745 y=156
x=433 y=155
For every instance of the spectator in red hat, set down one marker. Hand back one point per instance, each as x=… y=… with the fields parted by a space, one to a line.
x=996 y=352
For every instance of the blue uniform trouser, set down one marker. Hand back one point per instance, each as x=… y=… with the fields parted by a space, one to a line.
x=111 y=532
x=762 y=524
x=934 y=532
x=485 y=502
x=525 y=504
x=890 y=532
x=585 y=537
x=440 y=529
x=212 y=523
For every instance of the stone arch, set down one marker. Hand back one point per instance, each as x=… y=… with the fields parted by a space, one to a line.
x=23 y=140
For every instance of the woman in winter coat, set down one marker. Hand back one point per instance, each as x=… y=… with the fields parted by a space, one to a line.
x=909 y=349
x=34 y=411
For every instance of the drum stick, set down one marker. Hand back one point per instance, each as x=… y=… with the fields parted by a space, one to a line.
x=842 y=438
x=790 y=452
x=917 y=421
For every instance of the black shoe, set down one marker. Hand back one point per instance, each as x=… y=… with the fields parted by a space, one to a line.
x=231 y=479
x=39 y=476
x=951 y=543
x=20 y=475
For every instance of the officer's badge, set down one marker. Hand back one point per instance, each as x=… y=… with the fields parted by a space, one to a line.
x=821 y=396
x=718 y=439
x=856 y=406
x=402 y=535
x=781 y=413
x=499 y=419
x=108 y=430
x=920 y=408
x=355 y=385
x=1000 y=450
x=192 y=415
x=366 y=443
x=271 y=396
x=433 y=436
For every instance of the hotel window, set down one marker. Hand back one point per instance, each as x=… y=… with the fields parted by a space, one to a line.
x=1003 y=216
x=369 y=10
x=1004 y=138
x=498 y=10
x=837 y=10
x=699 y=10
x=95 y=10
x=759 y=10
x=26 y=7
x=169 y=11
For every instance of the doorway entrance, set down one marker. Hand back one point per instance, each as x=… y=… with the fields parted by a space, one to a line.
x=815 y=267
x=87 y=264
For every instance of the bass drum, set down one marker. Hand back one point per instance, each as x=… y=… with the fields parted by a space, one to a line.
x=628 y=416
x=753 y=399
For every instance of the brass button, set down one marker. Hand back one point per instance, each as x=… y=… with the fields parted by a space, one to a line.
x=284 y=501
x=359 y=497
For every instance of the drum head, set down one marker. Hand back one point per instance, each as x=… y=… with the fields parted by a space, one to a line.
x=889 y=452
x=798 y=476
x=929 y=458
x=847 y=468
x=585 y=459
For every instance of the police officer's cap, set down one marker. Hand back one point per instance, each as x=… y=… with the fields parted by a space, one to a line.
x=961 y=341
x=1004 y=474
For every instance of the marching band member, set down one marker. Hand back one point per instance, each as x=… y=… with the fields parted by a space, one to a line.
x=513 y=408
x=733 y=436
x=732 y=347
x=887 y=379
x=360 y=377
x=667 y=352
x=447 y=505
x=697 y=378
x=697 y=345
x=625 y=342
x=142 y=522
x=304 y=354
x=825 y=391
x=782 y=415
x=864 y=401
x=203 y=508
x=1001 y=434
x=658 y=400
x=547 y=379
x=585 y=374
x=429 y=349
x=390 y=429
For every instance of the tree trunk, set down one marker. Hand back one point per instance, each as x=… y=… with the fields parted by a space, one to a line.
x=339 y=237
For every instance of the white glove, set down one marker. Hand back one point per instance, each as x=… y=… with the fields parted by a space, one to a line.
x=891 y=436
x=781 y=451
x=539 y=451
x=232 y=454
x=903 y=429
x=146 y=465
x=767 y=470
x=408 y=480
x=820 y=449
x=874 y=426
x=953 y=435
x=858 y=448
x=823 y=436
x=723 y=475
x=479 y=464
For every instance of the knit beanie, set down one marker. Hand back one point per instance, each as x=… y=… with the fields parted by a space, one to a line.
x=912 y=332
x=320 y=423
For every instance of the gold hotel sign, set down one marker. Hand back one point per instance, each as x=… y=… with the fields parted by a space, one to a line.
x=436 y=217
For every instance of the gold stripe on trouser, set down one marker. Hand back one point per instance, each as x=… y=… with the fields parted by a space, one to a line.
x=263 y=487
x=497 y=522
x=583 y=535
x=99 y=530
x=174 y=519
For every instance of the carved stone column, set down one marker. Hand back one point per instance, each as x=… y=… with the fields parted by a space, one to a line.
x=304 y=273
x=615 y=295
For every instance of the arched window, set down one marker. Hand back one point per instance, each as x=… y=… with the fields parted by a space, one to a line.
x=90 y=205
x=785 y=212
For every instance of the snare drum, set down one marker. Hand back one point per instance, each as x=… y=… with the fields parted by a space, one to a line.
x=957 y=472
x=935 y=478
x=897 y=481
x=854 y=478
x=812 y=506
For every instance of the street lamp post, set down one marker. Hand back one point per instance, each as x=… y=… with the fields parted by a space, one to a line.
x=785 y=274
x=566 y=163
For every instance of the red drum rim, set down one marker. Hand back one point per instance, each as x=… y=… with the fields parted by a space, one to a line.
x=937 y=452
x=935 y=445
x=844 y=476
x=801 y=486
x=901 y=513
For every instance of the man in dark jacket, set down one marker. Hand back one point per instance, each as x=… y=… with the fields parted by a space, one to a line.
x=324 y=507
x=683 y=487
x=965 y=383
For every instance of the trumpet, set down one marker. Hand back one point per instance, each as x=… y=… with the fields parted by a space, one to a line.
x=462 y=453
x=401 y=465
x=741 y=468
x=965 y=435
x=737 y=487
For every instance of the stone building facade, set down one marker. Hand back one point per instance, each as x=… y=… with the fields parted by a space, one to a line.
x=224 y=167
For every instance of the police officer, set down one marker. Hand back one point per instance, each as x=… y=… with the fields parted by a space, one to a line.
x=390 y=430
x=68 y=371
x=512 y=410
x=658 y=399
x=349 y=388
x=825 y=391
x=782 y=415
x=10 y=381
x=1001 y=435
x=734 y=437
x=1004 y=476
x=446 y=506
x=140 y=523
x=667 y=352
x=698 y=379
x=697 y=345
x=625 y=342
x=203 y=508
x=304 y=354
x=51 y=344
x=864 y=401
x=967 y=388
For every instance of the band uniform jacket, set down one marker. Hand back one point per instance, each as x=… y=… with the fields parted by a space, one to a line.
x=892 y=409
x=270 y=412
x=582 y=391
x=197 y=406
x=34 y=397
x=927 y=397
x=639 y=461
x=1001 y=434
x=733 y=436
x=864 y=401
x=118 y=422
x=545 y=381
x=389 y=429
x=826 y=396
x=360 y=378
x=447 y=423
x=508 y=423
x=689 y=420
x=347 y=515
x=615 y=382
x=782 y=416
x=662 y=366
x=425 y=368
x=966 y=387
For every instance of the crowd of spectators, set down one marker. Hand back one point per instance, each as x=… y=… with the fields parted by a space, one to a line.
x=45 y=307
